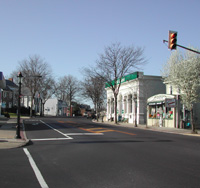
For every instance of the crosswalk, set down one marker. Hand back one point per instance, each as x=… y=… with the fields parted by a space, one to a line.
x=84 y=131
x=95 y=129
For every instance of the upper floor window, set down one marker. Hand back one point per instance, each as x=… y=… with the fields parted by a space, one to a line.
x=10 y=95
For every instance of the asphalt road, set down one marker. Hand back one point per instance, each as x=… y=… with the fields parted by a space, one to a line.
x=75 y=152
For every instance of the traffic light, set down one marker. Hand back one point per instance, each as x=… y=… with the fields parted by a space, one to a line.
x=172 y=40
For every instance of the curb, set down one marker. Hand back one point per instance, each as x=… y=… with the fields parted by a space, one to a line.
x=11 y=143
x=175 y=131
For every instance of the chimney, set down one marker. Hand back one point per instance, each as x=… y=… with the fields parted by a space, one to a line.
x=11 y=79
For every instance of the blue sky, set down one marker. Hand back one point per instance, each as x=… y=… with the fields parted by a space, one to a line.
x=69 y=34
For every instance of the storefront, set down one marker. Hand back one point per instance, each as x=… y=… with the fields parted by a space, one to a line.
x=161 y=111
x=134 y=91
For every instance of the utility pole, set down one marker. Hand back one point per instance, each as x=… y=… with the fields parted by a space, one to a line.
x=19 y=106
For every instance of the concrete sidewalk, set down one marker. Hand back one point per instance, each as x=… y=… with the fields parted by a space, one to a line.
x=187 y=132
x=8 y=133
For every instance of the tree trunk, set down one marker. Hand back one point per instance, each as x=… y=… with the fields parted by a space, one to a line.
x=70 y=108
x=31 y=110
x=192 y=121
x=115 y=109
x=97 y=113
x=43 y=109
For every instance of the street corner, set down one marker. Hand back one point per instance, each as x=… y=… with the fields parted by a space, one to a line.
x=12 y=143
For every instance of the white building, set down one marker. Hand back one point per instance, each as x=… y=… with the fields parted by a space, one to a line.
x=134 y=91
x=55 y=107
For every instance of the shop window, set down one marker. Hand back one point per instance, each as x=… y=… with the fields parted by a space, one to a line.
x=152 y=111
x=169 y=113
x=155 y=111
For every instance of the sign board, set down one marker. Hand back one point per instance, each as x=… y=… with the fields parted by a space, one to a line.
x=3 y=105
x=170 y=103
x=123 y=79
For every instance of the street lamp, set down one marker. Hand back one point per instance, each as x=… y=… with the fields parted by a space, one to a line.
x=135 y=100
x=18 y=114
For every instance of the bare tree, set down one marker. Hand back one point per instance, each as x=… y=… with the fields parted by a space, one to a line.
x=46 y=91
x=34 y=70
x=115 y=63
x=66 y=89
x=93 y=88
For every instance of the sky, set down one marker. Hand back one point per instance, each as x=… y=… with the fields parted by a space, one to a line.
x=70 y=34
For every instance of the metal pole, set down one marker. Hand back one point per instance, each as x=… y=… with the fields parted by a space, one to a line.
x=18 y=113
x=184 y=47
x=135 y=99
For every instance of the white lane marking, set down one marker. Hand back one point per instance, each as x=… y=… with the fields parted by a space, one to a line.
x=37 y=172
x=77 y=134
x=56 y=130
x=31 y=120
x=44 y=139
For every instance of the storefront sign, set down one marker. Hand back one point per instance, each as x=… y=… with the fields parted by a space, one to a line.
x=123 y=79
x=170 y=103
x=3 y=105
x=155 y=103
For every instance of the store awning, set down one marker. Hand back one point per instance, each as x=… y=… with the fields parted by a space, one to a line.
x=159 y=99
x=2 y=81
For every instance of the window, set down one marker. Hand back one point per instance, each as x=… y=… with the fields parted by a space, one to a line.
x=10 y=95
x=155 y=111
x=169 y=113
x=130 y=105
x=125 y=104
x=10 y=105
x=4 y=94
x=170 y=90
x=112 y=106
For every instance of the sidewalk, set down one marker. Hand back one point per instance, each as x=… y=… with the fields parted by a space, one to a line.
x=8 y=133
x=187 y=132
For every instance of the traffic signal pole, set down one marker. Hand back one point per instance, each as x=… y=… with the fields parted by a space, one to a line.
x=184 y=47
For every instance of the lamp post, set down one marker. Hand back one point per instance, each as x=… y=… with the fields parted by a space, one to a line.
x=19 y=112
x=135 y=100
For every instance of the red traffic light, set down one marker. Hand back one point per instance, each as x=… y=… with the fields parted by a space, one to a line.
x=172 y=40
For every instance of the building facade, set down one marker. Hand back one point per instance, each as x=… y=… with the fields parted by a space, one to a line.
x=55 y=107
x=134 y=91
x=168 y=111
x=9 y=95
